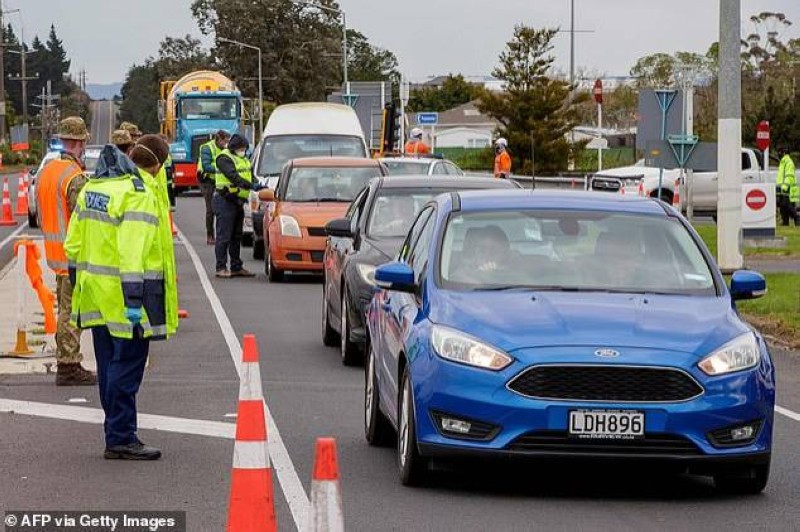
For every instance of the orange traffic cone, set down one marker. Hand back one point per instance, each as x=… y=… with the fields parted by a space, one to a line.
x=641 y=189
x=676 y=199
x=22 y=195
x=172 y=224
x=7 y=218
x=252 y=504
x=326 y=494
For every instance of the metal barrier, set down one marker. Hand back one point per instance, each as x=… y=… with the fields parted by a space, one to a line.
x=562 y=182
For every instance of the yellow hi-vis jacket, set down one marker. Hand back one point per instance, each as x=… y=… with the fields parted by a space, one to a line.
x=109 y=244
x=787 y=179
x=164 y=252
x=207 y=160
x=243 y=167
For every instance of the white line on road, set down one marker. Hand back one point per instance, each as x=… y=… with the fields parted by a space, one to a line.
x=788 y=413
x=293 y=490
x=13 y=235
x=95 y=416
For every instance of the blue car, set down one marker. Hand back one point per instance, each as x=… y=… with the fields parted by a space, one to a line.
x=568 y=325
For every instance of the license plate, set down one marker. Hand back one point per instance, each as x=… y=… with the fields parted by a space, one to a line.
x=606 y=424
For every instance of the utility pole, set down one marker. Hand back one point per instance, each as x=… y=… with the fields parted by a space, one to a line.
x=23 y=76
x=729 y=132
x=3 y=74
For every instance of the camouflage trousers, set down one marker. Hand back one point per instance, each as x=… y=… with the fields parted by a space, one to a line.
x=68 y=337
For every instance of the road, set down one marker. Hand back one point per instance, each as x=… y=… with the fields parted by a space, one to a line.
x=7 y=233
x=104 y=120
x=52 y=461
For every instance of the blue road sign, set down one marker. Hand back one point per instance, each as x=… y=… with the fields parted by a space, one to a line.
x=427 y=119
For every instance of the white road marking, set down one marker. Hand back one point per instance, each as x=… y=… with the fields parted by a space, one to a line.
x=13 y=235
x=95 y=416
x=788 y=413
x=292 y=488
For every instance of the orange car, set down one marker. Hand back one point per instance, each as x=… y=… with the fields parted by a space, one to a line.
x=310 y=193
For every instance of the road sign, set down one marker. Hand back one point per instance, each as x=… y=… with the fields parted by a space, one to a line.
x=427 y=119
x=597 y=143
x=756 y=199
x=598 y=92
x=763 y=136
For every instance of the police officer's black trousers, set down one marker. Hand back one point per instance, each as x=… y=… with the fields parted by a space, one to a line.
x=230 y=223
x=208 y=196
x=120 y=368
x=788 y=211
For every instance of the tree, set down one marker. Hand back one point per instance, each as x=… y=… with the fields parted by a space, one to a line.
x=13 y=66
x=455 y=91
x=535 y=107
x=366 y=62
x=140 y=97
x=179 y=56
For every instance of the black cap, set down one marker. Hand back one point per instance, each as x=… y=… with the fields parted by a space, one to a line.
x=237 y=143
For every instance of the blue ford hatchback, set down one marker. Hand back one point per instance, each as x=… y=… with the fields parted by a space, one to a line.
x=532 y=324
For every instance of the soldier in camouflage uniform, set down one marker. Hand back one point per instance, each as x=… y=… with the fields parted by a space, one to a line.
x=122 y=139
x=73 y=135
x=133 y=129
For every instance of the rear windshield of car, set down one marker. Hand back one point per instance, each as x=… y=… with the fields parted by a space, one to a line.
x=406 y=167
x=277 y=151
x=572 y=251
x=327 y=184
x=393 y=211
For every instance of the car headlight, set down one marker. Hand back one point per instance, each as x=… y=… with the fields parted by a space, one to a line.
x=737 y=355
x=367 y=272
x=289 y=226
x=459 y=347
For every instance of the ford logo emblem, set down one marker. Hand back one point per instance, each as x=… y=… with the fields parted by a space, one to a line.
x=606 y=353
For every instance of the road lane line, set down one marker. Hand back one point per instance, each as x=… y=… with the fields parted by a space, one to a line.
x=293 y=490
x=95 y=416
x=13 y=235
x=788 y=413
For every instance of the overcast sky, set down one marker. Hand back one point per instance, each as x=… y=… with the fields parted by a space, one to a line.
x=429 y=36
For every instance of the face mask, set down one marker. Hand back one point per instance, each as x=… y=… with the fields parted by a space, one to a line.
x=240 y=153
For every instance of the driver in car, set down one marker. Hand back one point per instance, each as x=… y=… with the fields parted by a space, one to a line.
x=400 y=212
x=487 y=257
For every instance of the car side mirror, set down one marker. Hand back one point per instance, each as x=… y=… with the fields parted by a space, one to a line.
x=397 y=276
x=746 y=284
x=339 y=228
x=266 y=194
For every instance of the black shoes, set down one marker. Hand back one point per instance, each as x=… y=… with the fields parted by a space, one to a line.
x=132 y=451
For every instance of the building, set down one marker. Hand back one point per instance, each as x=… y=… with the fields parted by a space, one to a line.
x=462 y=127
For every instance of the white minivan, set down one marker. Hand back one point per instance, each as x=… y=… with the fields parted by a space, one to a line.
x=311 y=129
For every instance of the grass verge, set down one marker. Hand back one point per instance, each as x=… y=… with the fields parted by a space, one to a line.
x=777 y=314
x=709 y=235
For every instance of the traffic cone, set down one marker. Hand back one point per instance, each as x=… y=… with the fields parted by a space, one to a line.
x=22 y=195
x=326 y=495
x=676 y=199
x=252 y=503
x=641 y=189
x=172 y=224
x=8 y=218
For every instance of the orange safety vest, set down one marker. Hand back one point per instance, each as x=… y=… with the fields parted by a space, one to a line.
x=502 y=164
x=51 y=193
x=417 y=147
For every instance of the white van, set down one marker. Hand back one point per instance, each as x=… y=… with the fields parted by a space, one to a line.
x=311 y=129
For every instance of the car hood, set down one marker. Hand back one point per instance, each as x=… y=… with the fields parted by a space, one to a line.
x=313 y=214
x=378 y=251
x=519 y=320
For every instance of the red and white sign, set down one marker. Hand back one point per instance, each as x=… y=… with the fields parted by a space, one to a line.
x=763 y=135
x=756 y=199
x=598 y=92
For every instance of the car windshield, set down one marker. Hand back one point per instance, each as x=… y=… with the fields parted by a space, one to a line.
x=328 y=184
x=401 y=167
x=277 y=151
x=209 y=109
x=394 y=211
x=572 y=251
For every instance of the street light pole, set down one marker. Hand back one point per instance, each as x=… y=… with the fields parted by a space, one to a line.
x=260 y=81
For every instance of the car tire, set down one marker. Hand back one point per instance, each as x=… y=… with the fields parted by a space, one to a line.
x=412 y=467
x=377 y=429
x=329 y=336
x=33 y=223
x=351 y=354
x=746 y=481
x=247 y=239
x=274 y=275
x=258 y=250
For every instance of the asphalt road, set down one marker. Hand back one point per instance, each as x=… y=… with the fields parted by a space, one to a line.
x=104 y=118
x=57 y=464
x=7 y=232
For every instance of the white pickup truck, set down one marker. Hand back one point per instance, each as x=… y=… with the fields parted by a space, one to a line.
x=643 y=180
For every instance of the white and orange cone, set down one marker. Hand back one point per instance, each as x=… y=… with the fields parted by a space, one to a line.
x=252 y=501
x=22 y=195
x=7 y=218
x=327 y=514
x=676 y=199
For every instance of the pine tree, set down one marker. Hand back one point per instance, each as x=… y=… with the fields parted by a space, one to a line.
x=13 y=67
x=57 y=63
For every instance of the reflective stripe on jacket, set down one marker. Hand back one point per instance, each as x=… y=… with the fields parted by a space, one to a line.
x=109 y=244
x=51 y=193
x=243 y=168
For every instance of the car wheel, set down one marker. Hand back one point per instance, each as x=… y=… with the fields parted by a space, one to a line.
x=32 y=222
x=412 y=467
x=258 y=249
x=351 y=355
x=377 y=429
x=746 y=481
x=274 y=275
x=329 y=336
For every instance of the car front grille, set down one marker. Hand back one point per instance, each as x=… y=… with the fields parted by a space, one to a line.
x=316 y=231
x=561 y=442
x=606 y=383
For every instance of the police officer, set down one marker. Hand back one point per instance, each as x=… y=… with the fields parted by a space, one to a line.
x=207 y=175
x=59 y=184
x=113 y=251
x=234 y=180
x=788 y=191
x=502 y=160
